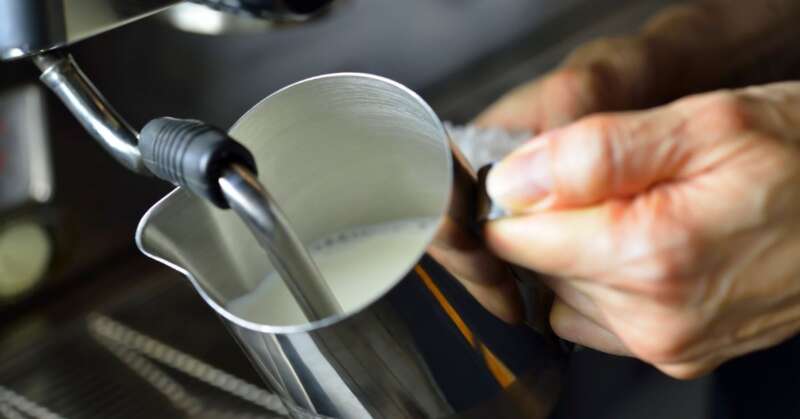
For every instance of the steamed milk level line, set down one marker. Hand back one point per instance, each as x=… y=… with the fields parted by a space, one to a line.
x=358 y=264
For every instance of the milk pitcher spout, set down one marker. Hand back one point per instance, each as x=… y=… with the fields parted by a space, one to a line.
x=368 y=178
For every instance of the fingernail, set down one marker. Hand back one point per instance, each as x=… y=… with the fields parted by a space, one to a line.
x=522 y=178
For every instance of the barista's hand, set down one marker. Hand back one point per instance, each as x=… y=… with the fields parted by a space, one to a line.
x=689 y=47
x=678 y=228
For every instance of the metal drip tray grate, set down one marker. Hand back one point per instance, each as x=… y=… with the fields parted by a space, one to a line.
x=160 y=355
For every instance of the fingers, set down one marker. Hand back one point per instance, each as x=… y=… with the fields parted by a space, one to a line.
x=644 y=208
x=569 y=291
x=713 y=357
x=689 y=370
x=597 y=158
x=517 y=110
x=482 y=274
x=573 y=326
x=576 y=326
x=567 y=243
x=501 y=299
x=776 y=107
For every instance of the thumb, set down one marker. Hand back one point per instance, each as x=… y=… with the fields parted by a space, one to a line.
x=597 y=158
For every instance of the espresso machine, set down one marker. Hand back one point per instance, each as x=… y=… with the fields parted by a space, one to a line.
x=210 y=163
x=42 y=31
x=23 y=37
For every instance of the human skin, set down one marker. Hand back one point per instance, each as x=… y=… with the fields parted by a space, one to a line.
x=684 y=49
x=670 y=234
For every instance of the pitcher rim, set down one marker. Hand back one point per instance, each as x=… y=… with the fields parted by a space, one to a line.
x=316 y=324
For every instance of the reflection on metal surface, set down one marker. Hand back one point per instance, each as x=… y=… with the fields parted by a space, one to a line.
x=26 y=249
x=140 y=353
x=348 y=150
x=13 y=405
x=30 y=27
x=499 y=371
x=134 y=349
x=62 y=366
x=190 y=17
x=281 y=11
x=25 y=168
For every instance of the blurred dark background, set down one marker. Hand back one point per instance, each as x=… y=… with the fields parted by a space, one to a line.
x=459 y=54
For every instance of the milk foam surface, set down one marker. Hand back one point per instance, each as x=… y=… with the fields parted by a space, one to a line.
x=358 y=265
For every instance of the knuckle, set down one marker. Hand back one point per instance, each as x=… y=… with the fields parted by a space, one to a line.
x=607 y=49
x=588 y=145
x=600 y=127
x=669 y=287
x=577 y=89
x=603 y=44
x=567 y=85
x=562 y=327
x=660 y=256
x=726 y=113
x=666 y=267
x=667 y=346
x=687 y=371
x=670 y=280
x=567 y=77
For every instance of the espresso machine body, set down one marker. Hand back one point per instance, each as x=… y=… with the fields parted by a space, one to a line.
x=34 y=239
x=43 y=42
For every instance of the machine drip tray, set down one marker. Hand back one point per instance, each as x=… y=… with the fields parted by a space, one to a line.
x=159 y=354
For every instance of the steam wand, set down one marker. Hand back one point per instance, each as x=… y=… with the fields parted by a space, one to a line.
x=202 y=159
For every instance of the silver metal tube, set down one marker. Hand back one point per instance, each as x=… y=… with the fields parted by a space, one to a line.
x=63 y=76
x=248 y=198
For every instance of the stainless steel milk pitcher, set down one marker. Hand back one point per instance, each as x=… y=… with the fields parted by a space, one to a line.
x=346 y=150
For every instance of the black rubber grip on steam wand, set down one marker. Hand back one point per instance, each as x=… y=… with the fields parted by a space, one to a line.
x=192 y=154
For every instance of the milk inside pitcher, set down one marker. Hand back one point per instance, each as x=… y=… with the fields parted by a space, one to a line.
x=369 y=181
